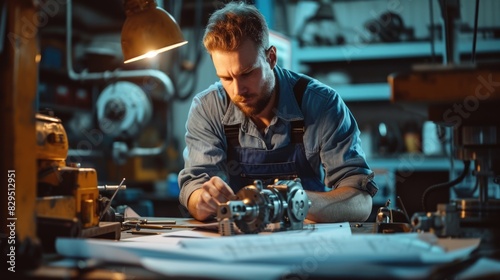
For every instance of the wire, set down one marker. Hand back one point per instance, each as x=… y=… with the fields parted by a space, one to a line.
x=3 y=24
x=445 y=185
x=433 y=51
x=467 y=193
x=404 y=209
x=187 y=77
x=474 y=40
x=447 y=41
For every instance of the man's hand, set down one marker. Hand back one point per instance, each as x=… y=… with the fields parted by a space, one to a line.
x=203 y=202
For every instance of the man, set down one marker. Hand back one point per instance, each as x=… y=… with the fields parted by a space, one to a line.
x=262 y=122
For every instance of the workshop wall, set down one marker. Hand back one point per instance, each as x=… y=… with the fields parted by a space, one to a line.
x=356 y=62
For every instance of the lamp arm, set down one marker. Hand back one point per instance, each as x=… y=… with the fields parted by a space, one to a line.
x=158 y=75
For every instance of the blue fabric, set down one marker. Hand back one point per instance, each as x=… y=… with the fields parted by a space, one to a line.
x=331 y=139
x=285 y=163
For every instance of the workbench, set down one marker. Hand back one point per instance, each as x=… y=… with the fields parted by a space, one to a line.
x=57 y=267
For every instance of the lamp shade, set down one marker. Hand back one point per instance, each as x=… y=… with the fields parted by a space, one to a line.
x=148 y=30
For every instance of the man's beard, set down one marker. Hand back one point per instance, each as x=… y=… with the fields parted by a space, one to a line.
x=261 y=103
x=257 y=108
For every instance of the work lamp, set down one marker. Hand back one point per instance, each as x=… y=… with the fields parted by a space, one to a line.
x=148 y=30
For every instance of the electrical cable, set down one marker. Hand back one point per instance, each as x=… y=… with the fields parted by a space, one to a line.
x=474 y=40
x=446 y=36
x=3 y=24
x=432 y=41
x=185 y=75
x=467 y=193
x=193 y=73
x=445 y=185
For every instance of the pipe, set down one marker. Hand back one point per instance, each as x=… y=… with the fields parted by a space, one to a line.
x=161 y=77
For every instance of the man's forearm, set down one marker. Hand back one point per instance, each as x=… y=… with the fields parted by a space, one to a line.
x=340 y=205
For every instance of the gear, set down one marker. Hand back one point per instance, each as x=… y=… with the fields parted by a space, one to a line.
x=258 y=220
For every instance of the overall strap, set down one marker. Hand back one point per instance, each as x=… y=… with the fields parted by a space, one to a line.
x=298 y=127
x=300 y=87
x=232 y=132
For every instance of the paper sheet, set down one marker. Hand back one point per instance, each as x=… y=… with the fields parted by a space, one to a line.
x=236 y=257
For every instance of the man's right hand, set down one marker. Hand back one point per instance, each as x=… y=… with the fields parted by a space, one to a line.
x=203 y=202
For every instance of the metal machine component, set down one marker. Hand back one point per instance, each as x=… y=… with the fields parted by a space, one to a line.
x=123 y=108
x=462 y=97
x=68 y=197
x=384 y=214
x=477 y=140
x=390 y=220
x=282 y=206
x=444 y=222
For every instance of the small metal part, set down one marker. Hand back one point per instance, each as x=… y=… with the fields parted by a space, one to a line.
x=144 y=232
x=150 y=222
x=384 y=215
x=281 y=206
x=404 y=209
x=111 y=187
x=139 y=226
x=111 y=199
x=226 y=227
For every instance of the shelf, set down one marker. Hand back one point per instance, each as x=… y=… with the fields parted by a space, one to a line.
x=361 y=51
x=363 y=92
x=383 y=51
x=376 y=91
x=413 y=163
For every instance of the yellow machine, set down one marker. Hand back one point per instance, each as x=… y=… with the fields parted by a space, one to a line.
x=46 y=196
x=67 y=196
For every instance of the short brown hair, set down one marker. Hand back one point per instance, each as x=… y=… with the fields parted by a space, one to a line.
x=228 y=27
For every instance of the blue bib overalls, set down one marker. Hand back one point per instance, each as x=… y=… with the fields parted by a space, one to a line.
x=286 y=163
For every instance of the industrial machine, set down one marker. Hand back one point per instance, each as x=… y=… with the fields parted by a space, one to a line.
x=68 y=201
x=49 y=194
x=281 y=206
x=463 y=97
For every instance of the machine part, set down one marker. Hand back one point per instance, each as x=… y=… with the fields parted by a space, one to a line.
x=51 y=228
x=68 y=200
x=452 y=219
x=108 y=204
x=464 y=97
x=120 y=152
x=123 y=108
x=284 y=205
x=226 y=227
x=111 y=187
x=158 y=76
x=475 y=139
x=110 y=214
x=51 y=138
x=384 y=214
x=389 y=27
x=252 y=208
x=448 y=185
x=386 y=222
x=69 y=192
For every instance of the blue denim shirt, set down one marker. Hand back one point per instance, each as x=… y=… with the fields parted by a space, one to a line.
x=331 y=137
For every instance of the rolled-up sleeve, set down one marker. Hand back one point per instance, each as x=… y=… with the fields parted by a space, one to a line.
x=334 y=135
x=204 y=155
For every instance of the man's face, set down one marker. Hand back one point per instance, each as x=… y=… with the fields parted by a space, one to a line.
x=247 y=76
